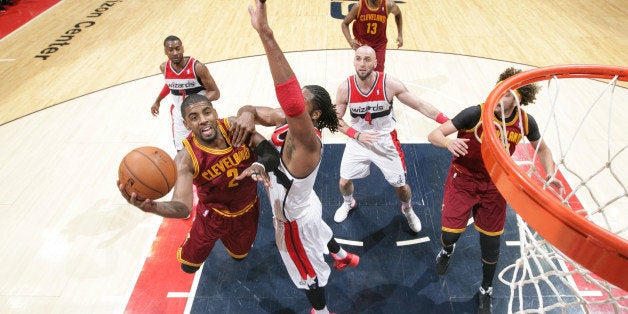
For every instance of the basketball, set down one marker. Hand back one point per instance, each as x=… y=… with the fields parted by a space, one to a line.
x=148 y=171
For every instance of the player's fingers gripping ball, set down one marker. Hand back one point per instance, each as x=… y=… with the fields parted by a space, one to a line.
x=148 y=171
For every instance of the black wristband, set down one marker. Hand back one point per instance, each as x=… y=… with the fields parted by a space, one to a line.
x=268 y=156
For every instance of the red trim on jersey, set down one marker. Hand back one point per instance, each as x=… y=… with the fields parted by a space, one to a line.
x=172 y=121
x=279 y=135
x=395 y=140
x=164 y=91
x=296 y=250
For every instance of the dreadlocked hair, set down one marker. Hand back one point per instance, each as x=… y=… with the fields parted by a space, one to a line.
x=322 y=102
x=527 y=92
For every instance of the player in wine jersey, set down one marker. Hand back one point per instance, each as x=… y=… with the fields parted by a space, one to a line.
x=370 y=18
x=372 y=135
x=469 y=190
x=301 y=235
x=225 y=176
x=184 y=76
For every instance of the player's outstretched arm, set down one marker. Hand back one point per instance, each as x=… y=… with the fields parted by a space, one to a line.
x=243 y=126
x=438 y=137
x=182 y=198
x=288 y=90
x=409 y=99
x=547 y=162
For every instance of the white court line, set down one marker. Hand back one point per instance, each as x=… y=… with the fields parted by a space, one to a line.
x=470 y=221
x=349 y=242
x=177 y=295
x=413 y=241
x=192 y=293
x=513 y=243
x=7 y=60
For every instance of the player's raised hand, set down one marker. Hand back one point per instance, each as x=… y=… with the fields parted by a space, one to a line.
x=259 y=20
x=241 y=129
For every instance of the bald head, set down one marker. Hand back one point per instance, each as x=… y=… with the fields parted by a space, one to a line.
x=364 y=62
x=366 y=50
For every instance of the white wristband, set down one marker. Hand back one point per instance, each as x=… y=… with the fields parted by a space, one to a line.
x=259 y=163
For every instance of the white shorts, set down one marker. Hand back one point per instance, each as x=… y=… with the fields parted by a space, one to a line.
x=307 y=261
x=386 y=154
x=179 y=131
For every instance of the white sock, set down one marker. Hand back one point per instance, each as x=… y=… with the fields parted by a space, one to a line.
x=323 y=311
x=405 y=206
x=348 y=198
x=342 y=253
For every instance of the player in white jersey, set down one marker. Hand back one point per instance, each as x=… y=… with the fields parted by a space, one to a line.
x=184 y=76
x=302 y=237
x=372 y=136
x=301 y=234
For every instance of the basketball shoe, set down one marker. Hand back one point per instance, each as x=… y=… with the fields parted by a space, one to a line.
x=413 y=220
x=484 y=298
x=442 y=260
x=342 y=263
x=343 y=211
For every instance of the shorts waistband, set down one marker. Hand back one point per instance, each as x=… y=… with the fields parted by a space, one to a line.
x=238 y=213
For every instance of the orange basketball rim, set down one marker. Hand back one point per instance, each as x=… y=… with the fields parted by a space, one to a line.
x=594 y=248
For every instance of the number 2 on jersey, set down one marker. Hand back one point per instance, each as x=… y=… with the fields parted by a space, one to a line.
x=233 y=174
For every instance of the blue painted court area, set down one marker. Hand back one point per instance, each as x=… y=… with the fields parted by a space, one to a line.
x=389 y=278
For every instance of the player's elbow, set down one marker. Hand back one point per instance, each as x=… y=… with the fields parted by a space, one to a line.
x=432 y=137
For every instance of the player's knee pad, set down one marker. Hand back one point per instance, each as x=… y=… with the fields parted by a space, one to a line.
x=316 y=297
x=490 y=248
x=189 y=269
x=449 y=238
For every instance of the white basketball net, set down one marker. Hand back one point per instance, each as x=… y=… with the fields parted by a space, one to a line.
x=586 y=132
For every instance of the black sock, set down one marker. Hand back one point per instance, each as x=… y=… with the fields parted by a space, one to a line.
x=316 y=297
x=488 y=271
x=333 y=246
x=448 y=239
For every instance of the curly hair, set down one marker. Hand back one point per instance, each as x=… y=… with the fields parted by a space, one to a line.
x=527 y=92
x=322 y=102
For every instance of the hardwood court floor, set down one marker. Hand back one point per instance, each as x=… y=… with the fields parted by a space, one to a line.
x=75 y=246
